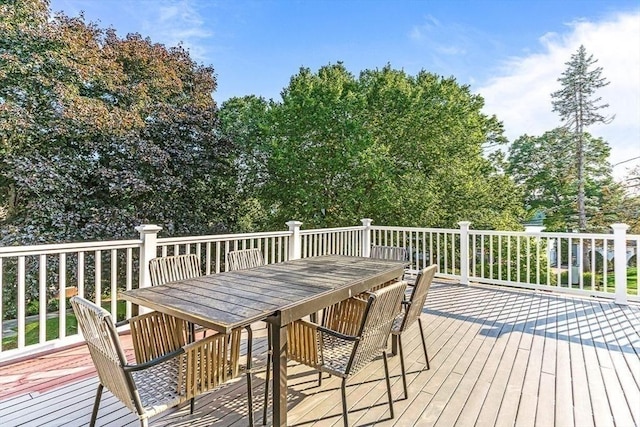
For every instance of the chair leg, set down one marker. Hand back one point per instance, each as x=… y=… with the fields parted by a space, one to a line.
x=249 y=385
x=386 y=374
x=345 y=415
x=96 y=405
x=267 y=375
x=424 y=344
x=404 y=374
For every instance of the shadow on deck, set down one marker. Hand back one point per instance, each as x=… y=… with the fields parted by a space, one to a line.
x=498 y=357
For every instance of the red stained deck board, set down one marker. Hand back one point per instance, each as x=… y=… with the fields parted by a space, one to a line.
x=42 y=373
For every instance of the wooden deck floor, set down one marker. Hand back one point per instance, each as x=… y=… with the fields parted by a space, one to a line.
x=498 y=357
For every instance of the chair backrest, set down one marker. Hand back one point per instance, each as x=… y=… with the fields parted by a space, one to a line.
x=245 y=258
x=382 y=308
x=418 y=297
x=175 y=267
x=105 y=349
x=395 y=253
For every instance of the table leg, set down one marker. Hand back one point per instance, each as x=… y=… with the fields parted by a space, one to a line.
x=279 y=341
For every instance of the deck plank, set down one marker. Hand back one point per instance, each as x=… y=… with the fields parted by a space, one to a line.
x=564 y=402
x=528 y=405
x=498 y=357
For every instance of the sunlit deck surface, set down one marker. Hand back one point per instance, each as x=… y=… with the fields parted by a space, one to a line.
x=498 y=357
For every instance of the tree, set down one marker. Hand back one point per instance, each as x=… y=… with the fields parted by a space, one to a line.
x=544 y=168
x=578 y=110
x=404 y=150
x=100 y=133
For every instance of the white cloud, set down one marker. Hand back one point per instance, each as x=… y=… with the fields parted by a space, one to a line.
x=445 y=39
x=521 y=95
x=172 y=23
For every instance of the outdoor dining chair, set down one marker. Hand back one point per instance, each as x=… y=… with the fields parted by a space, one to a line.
x=168 y=370
x=351 y=339
x=395 y=253
x=174 y=267
x=412 y=308
x=244 y=258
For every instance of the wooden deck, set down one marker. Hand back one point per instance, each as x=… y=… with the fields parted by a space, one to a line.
x=498 y=357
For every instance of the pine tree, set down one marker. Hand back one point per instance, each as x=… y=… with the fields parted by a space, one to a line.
x=579 y=108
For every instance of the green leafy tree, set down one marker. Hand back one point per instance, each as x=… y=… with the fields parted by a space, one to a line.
x=405 y=150
x=545 y=169
x=579 y=108
x=245 y=122
x=101 y=133
x=435 y=132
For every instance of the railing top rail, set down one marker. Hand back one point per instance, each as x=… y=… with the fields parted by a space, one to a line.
x=222 y=237
x=331 y=230
x=543 y=234
x=575 y=236
x=13 y=251
x=420 y=229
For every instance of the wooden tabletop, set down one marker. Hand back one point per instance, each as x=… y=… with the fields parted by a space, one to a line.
x=286 y=291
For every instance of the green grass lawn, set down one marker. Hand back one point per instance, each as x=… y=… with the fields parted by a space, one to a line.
x=33 y=328
x=632 y=280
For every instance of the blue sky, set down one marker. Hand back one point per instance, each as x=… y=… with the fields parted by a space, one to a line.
x=510 y=52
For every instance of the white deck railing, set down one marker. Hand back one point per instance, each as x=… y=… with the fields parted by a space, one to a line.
x=33 y=278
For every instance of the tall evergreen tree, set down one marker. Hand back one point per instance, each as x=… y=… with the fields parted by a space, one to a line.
x=579 y=108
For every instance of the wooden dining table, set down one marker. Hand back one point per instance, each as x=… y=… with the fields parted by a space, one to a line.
x=278 y=293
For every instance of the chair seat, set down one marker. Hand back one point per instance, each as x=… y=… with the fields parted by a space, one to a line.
x=159 y=387
x=335 y=354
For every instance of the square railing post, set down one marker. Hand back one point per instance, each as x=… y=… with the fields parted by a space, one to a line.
x=464 y=252
x=295 y=240
x=365 y=251
x=620 y=262
x=148 y=251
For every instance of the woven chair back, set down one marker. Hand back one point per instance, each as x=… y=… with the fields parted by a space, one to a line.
x=245 y=258
x=418 y=296
x=395 y=253
x=346 y=316
x=171 y=268
x=104 y=346
x=383 y=307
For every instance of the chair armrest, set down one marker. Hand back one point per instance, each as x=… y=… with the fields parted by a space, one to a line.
x=122 y=323
x=319 y=328
x=337 y=334
x=154 y=362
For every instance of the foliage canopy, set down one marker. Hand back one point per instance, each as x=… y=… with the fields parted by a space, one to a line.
x=99 y=134
x=405 y=150
x=545 y=168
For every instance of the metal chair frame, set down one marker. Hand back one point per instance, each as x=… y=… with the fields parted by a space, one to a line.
x=412 y=309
